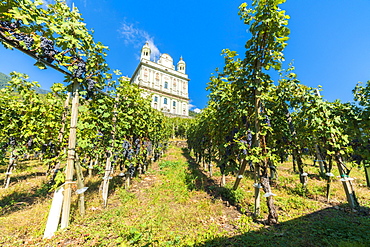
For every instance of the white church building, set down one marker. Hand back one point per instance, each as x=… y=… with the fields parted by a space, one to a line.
x=167 y=84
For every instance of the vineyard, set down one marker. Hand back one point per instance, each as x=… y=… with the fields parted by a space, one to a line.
x=92 y=163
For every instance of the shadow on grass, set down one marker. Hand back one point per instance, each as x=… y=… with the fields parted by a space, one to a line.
x=198 y=180
x=327 y=227
x=18 y=200
x=19 y=178
x=315 y=176
x=23 y=166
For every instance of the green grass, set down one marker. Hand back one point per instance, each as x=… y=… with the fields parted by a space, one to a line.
x=176 y=204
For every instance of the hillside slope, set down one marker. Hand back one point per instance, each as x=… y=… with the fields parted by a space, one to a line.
x=176 y=203
x=4 y=79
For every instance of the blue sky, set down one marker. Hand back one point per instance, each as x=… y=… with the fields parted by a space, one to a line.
x=329 y=40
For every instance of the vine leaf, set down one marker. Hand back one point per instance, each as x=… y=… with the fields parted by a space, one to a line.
x=40 y=65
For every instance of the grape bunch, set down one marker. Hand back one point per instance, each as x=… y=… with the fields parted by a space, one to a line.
x=47 y=47
x=90 y=86
x=267 y=121
x=28 y=41
x=137 y=141
x=157 y=155
x=48 y=50
x=4 y=26
x=115 y=158
x=29 y=143
x=4 y=146
x=138 y=145
x=52 y=149
x=9 y=26
x=249 y=138
x=44 y=147
x=126 y=145
x=131 y=170
x=80 y=70
x=148 y=145
x=130 y=154
x=126 y=148
x=12 y=141
x=244 y=150
x=137 y=151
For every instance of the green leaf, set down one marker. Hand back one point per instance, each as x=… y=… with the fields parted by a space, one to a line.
x=40 y=65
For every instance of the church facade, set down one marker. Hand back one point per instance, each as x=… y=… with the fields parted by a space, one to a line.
x=167 y=84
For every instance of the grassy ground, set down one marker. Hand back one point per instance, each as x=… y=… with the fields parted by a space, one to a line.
x=176 y=203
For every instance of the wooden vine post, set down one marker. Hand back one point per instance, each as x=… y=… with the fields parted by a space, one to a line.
x=107 y=177
x=64 y=118
x=70 y=158
x=240 y=174
x=57 y=202
x=108 y=166
x=257 y=185
x=61 y=133
x=12 y=163
x=91 y=167
x=347 y=183
x=80 y=186
x=320 y=159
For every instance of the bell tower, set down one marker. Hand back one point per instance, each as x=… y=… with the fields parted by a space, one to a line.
x=145 y=52
x=181 y=66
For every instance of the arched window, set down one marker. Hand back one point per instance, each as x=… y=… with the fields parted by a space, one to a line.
x=166 y=85
x=174 y=103
x=165 y=101
x=155 y=98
